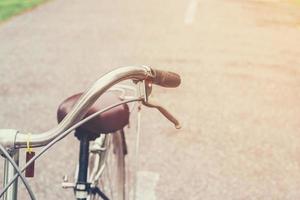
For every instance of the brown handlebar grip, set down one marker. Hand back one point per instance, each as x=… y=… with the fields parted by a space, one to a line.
x=166 y=79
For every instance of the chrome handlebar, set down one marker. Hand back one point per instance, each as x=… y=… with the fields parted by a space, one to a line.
x=18 y=140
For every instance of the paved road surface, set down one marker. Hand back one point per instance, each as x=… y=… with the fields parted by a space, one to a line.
x=239 y=101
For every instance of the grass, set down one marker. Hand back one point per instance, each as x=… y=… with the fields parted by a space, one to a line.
x=9 y=8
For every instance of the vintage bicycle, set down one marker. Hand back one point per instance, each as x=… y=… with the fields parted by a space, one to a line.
x=98 y=117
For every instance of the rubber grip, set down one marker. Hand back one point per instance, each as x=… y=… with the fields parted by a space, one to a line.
x=166 y=79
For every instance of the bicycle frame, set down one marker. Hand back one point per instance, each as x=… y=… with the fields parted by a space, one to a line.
x=9 y=172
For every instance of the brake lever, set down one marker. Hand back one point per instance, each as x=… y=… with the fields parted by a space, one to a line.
x=145 y=91
x=153 y=104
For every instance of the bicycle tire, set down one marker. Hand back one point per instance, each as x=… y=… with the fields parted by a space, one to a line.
x=113 y=180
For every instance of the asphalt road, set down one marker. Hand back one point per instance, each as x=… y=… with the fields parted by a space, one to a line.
x=238 y=103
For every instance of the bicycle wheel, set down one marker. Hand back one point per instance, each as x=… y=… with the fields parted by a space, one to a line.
x=108 y=167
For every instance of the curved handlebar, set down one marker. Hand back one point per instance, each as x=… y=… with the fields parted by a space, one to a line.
x=88 y=98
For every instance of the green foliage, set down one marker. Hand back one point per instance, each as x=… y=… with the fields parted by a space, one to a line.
x=9 y=8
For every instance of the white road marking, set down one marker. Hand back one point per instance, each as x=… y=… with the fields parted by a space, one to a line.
x=146 y=184
x=191 y=12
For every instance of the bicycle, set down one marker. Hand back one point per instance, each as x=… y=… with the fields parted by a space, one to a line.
x=100 y=129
